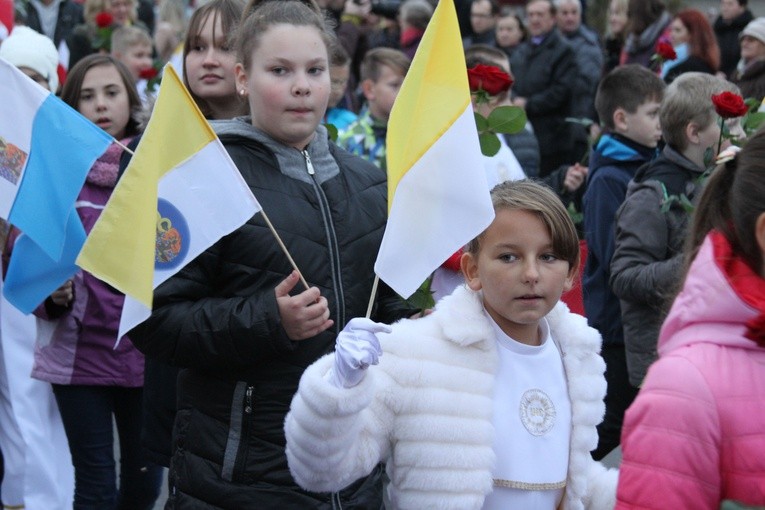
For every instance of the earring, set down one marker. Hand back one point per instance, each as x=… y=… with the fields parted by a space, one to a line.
x=242 y=92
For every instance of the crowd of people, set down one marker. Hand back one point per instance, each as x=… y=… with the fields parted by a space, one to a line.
x=253 y=385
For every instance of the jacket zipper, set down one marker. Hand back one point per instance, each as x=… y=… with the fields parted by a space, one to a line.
x=334 y=250
x=244 y=446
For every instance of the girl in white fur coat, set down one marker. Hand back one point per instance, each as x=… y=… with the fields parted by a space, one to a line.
x=489 y=402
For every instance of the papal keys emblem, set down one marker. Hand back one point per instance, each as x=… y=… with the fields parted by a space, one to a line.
x=173 y=238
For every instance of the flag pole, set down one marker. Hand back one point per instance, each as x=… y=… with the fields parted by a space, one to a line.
x=283 y=247
x=124 y=147
x=372 y=296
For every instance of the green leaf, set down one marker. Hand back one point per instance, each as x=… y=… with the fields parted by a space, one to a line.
x=490 y=144
x=480 y=122
x=507 y=119
x=331 y=131
x=753 y=121
x=422 y=297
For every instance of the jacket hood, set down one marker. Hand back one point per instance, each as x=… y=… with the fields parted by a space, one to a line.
x=614 y=149
x=708 y=309
x=292 y=162
x=674 y=174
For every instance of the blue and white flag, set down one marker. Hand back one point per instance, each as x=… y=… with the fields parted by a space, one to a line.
x=46 y=151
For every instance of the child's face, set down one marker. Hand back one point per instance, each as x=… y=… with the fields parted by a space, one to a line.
x=520 y=276
x=381 y=94
x=339 y=76
x=641 y=126
x=617 y=18
x=121 y=10
x=508 y=32
x=104 y=100
x=136 y=59
x=210 y=64
x=287 y=83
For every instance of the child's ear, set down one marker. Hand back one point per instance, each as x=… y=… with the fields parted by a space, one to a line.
x=570 y=279
x=469 y=266
x=620 y=120
x=367 y=87
x=692 y=133
x=759 y=234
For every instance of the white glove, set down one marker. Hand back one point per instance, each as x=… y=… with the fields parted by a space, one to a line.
x=356 y=348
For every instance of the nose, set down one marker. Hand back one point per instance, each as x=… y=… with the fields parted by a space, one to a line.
x=531 y=271
x=301 y=86
x=100 y=102
x=210 y=59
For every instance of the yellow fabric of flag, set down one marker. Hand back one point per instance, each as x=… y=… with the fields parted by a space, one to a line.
x=120 y=249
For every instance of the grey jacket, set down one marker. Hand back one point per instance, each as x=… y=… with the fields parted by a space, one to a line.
x=647 y=264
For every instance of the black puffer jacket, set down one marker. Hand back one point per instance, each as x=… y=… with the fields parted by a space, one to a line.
x=218 y=319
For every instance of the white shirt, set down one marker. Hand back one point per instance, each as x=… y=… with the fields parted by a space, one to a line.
x=532 y=425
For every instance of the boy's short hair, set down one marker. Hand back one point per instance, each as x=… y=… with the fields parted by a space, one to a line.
x=689 y=99
x=338 y=56
x=416 y=13
x=378 y=57
x=626 y=87
x=527 y=195
x=484 y=54
x=124 y=38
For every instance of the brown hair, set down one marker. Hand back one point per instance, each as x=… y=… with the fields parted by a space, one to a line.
x=527 y=195
x=626 y=87
x=689 y=99
x=229 y=12
x=733 y=199
x=378 y=57
x=260 y=16
x=72 y=90
x=702 y=41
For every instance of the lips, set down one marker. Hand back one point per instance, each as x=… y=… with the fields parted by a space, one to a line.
x=103 y=121
x=529 y=297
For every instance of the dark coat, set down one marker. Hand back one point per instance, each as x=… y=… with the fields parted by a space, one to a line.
x=647 y=265
x=727 y=33
x=546 y=74
x=613 y=163
x=70 y=14
x=691 y=64
x=218 y=319
x=752 y=80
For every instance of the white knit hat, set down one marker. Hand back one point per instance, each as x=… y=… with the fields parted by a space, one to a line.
x=756 y=29
x=27 y=48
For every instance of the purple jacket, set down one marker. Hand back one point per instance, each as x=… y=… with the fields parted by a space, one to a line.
x=76 y=346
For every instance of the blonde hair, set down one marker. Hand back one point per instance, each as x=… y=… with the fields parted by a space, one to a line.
x=124 y=38
x=689 y=99
x=527 y=195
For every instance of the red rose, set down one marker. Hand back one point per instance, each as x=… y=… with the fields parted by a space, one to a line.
x=148 y=73
x=490 y=79
x=729 y=105
x=104 y=19
x=665 y=51
x=453 y=262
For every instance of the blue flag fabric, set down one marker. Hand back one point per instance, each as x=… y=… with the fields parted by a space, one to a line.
x=33 y=275
x=49 y=149
x=64 y=147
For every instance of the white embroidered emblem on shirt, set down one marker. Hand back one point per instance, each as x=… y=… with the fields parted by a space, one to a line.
x=537 y=412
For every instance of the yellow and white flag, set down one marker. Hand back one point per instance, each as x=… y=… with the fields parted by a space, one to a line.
x=179 y=195
x=438 y=197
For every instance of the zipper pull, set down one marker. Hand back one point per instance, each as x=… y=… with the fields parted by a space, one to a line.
x=248 y=400
x=308 y=163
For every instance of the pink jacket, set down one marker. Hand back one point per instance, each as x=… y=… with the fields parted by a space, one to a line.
x=695 y=435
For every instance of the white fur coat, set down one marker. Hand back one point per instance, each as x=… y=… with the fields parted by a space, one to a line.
x=426 y=411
